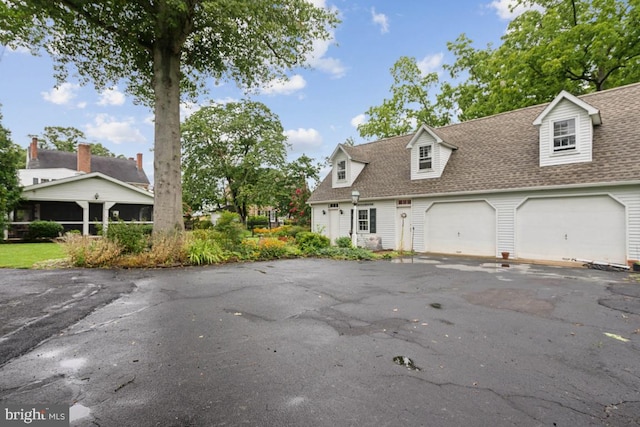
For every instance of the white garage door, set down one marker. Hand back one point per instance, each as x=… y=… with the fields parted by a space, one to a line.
x=591 y=228
x=461 y=228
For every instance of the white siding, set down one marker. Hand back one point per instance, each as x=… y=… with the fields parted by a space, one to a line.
x=27 y=175
x=506 y=207
x=505 y=222
x=385 y=223
x=86 y=189
x=346 y=182
x=353 y=169
x=440 y=156
x=584 y=135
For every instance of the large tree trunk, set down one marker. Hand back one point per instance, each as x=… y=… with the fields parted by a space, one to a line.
x=167 y=209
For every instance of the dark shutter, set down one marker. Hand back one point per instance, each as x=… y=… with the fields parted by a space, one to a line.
x=372 y=220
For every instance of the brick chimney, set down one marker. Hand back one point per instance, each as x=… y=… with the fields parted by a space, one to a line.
x=33 y=149
x=84 y=158
x=139 y=161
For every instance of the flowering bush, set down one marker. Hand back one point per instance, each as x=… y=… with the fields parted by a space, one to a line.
x=299 y=210
x=267 y=248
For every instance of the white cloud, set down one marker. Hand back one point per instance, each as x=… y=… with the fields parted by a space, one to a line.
x=504 y=9
x=187 y=109
x=430 y=63
x=317 y=59
x=358 y=120
x=303 y=139
x=62 y=95
x=17 y=49
x=108 y=128
x=111 y=96
x=284 y=87
x=381 y=20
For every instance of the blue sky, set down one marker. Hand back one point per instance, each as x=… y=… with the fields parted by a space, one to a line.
x=318 y=107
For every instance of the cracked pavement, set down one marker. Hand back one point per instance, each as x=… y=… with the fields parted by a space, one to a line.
x=312 y=342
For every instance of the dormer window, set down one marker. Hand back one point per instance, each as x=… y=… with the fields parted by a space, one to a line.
x=342 y=170
x=564 y=135
x=425 y=157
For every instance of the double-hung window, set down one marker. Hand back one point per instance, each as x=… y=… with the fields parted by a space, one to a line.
x=564 y=135
x=366 y=220
x=342 y=170
x=425 y=159
x=363 y=220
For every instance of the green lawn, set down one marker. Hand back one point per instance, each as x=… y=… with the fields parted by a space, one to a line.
x=24 y=255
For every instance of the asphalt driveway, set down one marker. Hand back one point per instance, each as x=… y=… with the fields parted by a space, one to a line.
x=430 y=341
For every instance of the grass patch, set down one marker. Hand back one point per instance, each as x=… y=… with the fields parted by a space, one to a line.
x=24 y=255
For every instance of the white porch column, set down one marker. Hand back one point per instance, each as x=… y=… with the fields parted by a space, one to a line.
x=105 y=215
x=85 y=216
x=5 y=233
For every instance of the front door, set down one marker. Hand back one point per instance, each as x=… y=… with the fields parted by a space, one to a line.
x=334 y=225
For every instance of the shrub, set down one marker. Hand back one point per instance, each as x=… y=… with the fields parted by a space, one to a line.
x=295 y=229
x=166 y=249
x=343 y=242
x=345 y=253
x=259 y=221
x=309 y=242
x=44 y=230
x=261 y=230
x=85 y=251
x=205 y=252
x=133 y=238
x=267 y=248
x=204 y=224
x=230 y=228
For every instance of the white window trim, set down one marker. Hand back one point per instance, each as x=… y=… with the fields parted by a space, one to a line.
x=552 y=136
x=360 y=229
x=419 y=159
x=338 y=170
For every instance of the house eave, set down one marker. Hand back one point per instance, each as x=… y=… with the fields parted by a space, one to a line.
x=593 y=112
x=485 y=192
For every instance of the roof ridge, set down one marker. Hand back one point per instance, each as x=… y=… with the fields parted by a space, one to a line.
x=385 y=139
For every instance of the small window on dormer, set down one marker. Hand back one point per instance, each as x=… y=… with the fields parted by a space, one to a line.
x=425 y=157
x=342 y=170
x=564 y=135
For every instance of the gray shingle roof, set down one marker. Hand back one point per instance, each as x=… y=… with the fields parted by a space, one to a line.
x=501 y=152
x=124 y=170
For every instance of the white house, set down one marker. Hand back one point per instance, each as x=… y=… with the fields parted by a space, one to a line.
x=553 y=182
x=80 y=190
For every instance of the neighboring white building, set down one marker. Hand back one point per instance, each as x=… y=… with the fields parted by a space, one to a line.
x=552 y=182
x=80 y=190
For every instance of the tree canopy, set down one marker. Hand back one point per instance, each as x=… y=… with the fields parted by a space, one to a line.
x=165 y=50
x=67 y=139
x=409 y=106
x=292 y=188
x=11 y=158
x=579 y=46
x=231 y=155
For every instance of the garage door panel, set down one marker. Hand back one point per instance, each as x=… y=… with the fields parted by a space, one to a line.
x=461 y=228
x=578 y=227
